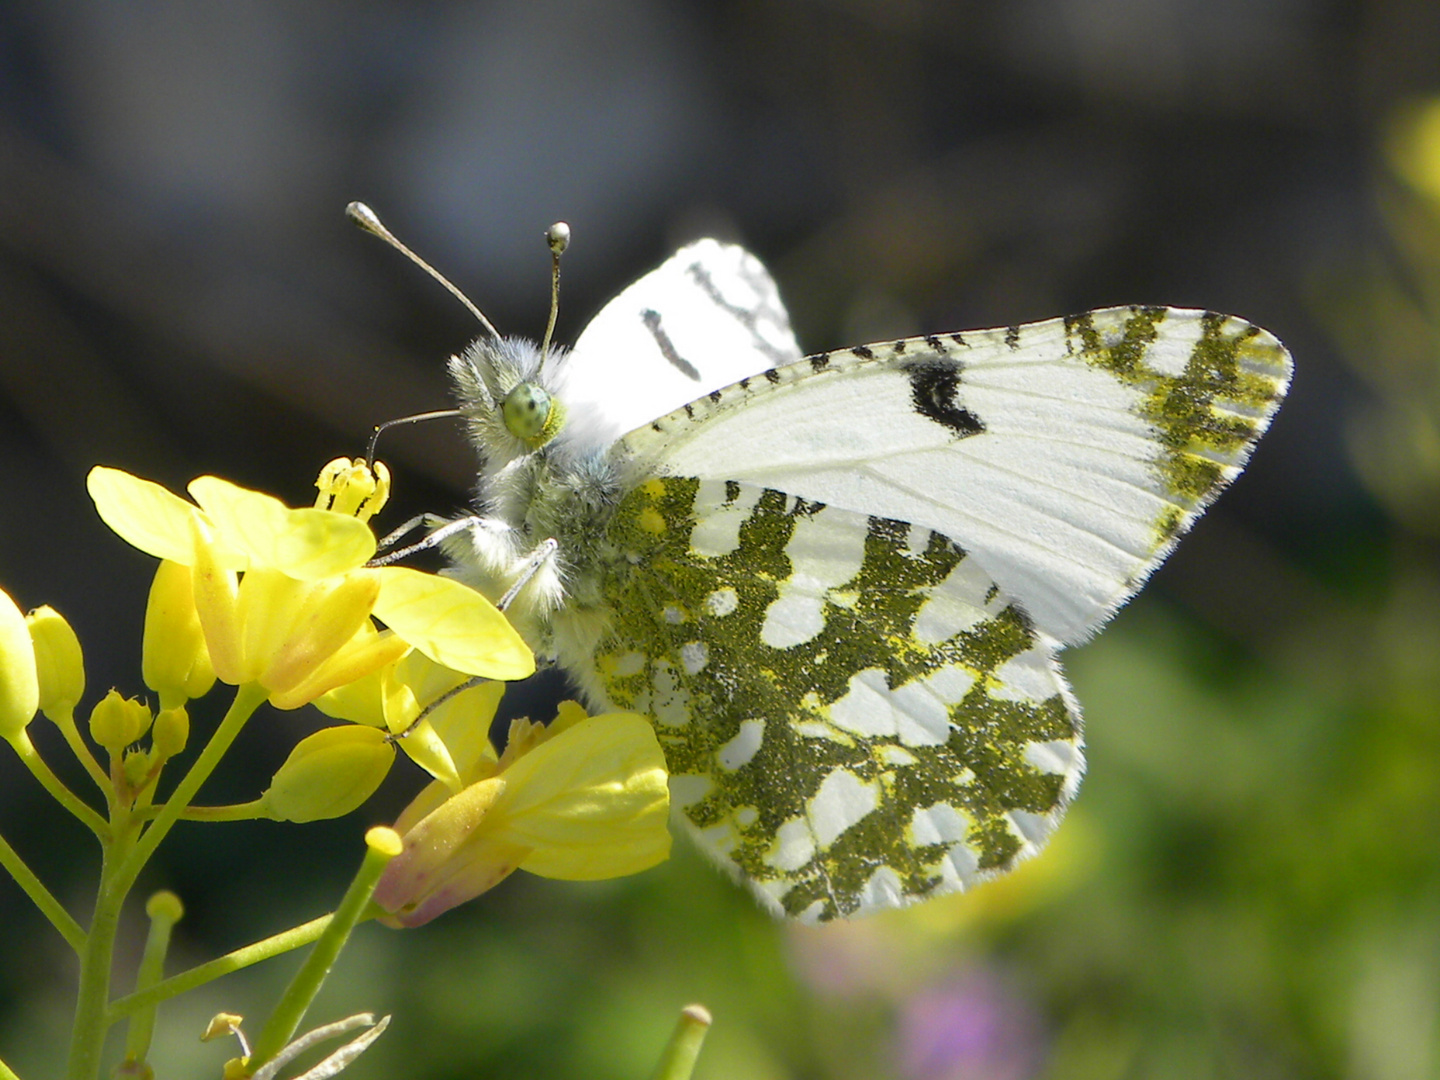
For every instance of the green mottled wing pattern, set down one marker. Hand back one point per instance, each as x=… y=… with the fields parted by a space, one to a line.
x=839 y=586
x=854 y=716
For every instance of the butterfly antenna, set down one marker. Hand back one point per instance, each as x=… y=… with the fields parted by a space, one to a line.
x=363 y=216
x=438 y=414
x=558 y=237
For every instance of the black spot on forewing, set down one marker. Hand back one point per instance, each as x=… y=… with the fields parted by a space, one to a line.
x=933 y=385
x=651 y=318
x=1012 y=336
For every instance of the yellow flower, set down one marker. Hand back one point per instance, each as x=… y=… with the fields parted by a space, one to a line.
x=453 y=738
x=582 y=800
x=284 y=596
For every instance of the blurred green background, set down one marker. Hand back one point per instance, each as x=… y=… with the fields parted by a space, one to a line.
x=1249 y=884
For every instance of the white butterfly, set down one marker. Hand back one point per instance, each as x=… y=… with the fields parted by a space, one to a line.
x=838 y=584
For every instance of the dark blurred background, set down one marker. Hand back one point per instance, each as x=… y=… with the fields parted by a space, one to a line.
x=1249 y=884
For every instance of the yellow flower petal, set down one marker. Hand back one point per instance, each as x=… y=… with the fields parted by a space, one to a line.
x=150 y=518
x=452 y=624
x=305 y=543
x=308 y=625
x=217 y=605
x=460 y=722
x=364 y=657
x=592 y=802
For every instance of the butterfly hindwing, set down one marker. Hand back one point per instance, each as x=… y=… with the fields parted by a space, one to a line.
x=854 y=716
x=1066 y=456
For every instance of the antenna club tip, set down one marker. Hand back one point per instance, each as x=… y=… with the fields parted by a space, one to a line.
x=363 y=216
x=558 y=237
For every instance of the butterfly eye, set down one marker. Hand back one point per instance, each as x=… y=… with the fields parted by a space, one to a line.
x=531 y=415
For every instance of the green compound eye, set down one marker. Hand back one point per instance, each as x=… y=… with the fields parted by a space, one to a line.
x=531 y=415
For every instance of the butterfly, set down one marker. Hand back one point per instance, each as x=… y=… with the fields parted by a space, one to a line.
x=838 y=583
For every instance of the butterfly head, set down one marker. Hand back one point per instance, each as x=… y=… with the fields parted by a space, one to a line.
x=507 y=399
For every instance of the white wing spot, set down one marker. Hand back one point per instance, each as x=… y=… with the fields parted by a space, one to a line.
x=672 y=614
x=794 y=846
x=746 y=816
x=1170 y=352
x=870 y=708
x=883 y=890
x=843 y=800
x=722 y=602
x=1028 y=676
x=894 y=756
x=826 y=551
x=686 y=789
x=717 y=528
x=694 y=655
x=744 y=746
x=957 y=604
x=669 y=700
x=1060 y=757
x=792 y=618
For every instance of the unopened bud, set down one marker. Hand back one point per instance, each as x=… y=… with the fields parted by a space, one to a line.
x=19 y=683
x=174 y=661
x=59 y=663
x=171 y=732
x=329 y=774
x=116 y=722
x=135 y=767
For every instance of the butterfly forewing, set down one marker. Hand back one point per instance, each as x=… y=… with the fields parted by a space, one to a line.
x=705 y=318
x=853 y=714
x=1065 y=456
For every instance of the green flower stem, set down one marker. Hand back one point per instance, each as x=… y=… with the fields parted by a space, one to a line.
x=65 y=721
x=248 y=698
x=58 y=791
x=275 y=945
x=42 y=897
x=87 y=1037
x=248 y=811
x=165 y=910
x=382 y=845
x=678 y=1060
x=123 y=859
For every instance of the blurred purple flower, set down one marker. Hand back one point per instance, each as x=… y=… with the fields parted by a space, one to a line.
x=970 y=1028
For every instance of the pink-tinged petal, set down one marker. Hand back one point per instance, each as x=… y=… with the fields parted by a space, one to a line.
x=431 y=846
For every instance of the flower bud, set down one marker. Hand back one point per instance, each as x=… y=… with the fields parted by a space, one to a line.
x=135 y=766
x=171 y=732
x=19 y=682
x=116 y=722
x=59 y=663
x=174 y=661
x=329 y=774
